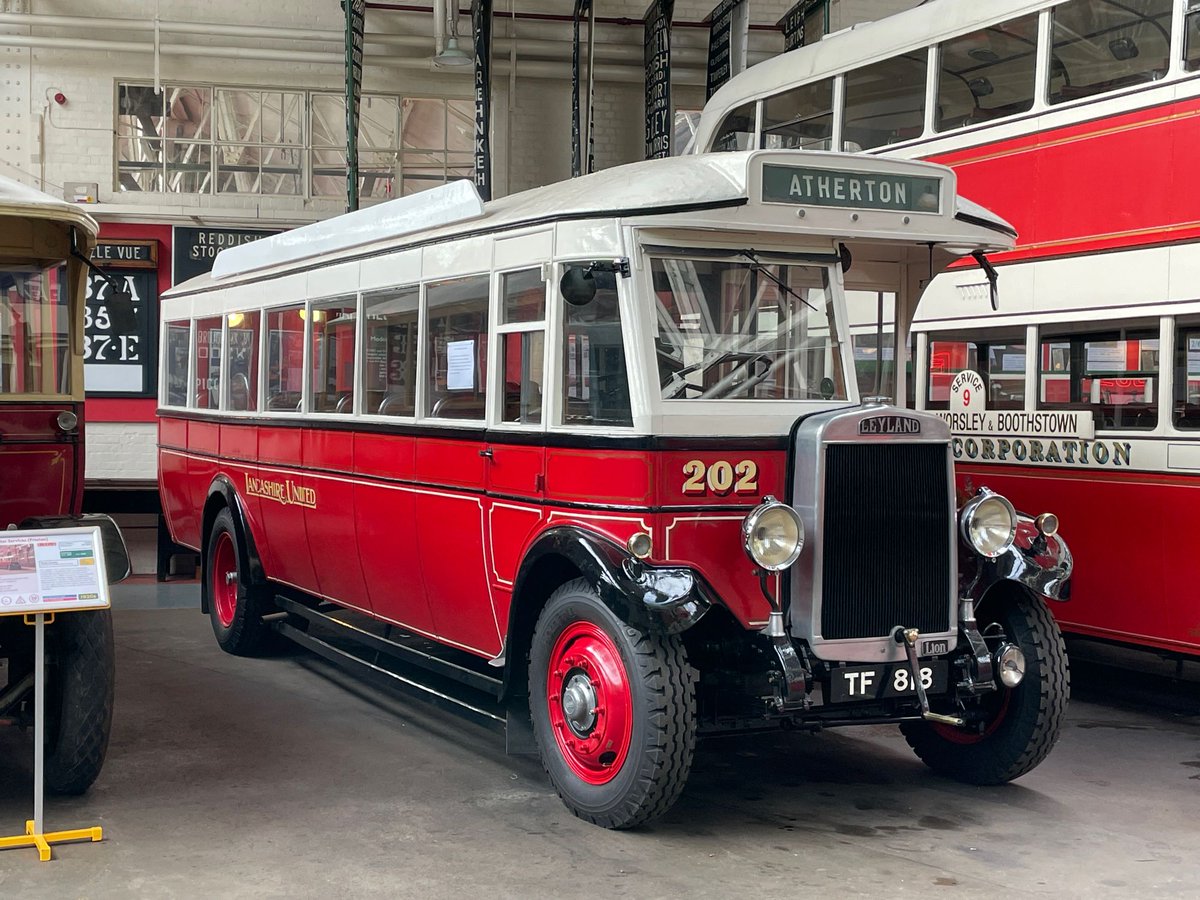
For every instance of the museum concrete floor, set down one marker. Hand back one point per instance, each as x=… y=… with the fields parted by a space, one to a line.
x=282 y=777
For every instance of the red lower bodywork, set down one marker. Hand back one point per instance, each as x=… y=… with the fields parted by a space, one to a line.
x=1134 y=538
x=41 y=468
x=428 y=533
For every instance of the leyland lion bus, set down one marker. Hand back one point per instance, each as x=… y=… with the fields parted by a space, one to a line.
x=600 y=446
x=1076 y=121
x=44 y=246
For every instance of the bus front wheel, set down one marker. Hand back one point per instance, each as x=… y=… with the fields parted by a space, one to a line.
x=236 y=611
x=1022 y=723
x=613 y=708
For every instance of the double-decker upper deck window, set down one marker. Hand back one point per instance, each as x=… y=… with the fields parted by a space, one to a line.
x=743 y=331
x=1114 y=374
x=456 y=378
x=987 y=74
x=34 y=330
x=799 y=119
x=736 y=131
x=208 y=363
x=176 y=362
x=390 y=372
x=332 y=356
x=1104 y=45
x=1000 y=361
x=885 y=102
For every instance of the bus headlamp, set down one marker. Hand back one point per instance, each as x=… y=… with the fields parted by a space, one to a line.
x=773 y=535
x=989 y=523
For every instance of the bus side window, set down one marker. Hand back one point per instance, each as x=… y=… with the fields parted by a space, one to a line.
x=1001 y=364
x=332 y=360
x=1186 y=414
x=736 y=132
x=390 y=369
x=208 y=363
x=179 y=352
x=1191 y=39
x=1101 y=47
x=285 y=358
x=987 y=74
x=243 y=360
x=1114 y=374
x=457 y=348
x=523 y=342
x=595 y=381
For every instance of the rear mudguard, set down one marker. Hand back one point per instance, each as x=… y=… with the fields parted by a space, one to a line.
x=254 y=573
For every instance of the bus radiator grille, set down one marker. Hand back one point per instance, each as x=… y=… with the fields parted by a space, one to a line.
x=886 y=540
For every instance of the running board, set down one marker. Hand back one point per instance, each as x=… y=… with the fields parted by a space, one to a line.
x=393 y=666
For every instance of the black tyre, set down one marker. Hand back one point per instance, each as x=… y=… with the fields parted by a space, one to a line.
x=79 y=699
x=236 y=610
x=613 y=708
x=1023 y=722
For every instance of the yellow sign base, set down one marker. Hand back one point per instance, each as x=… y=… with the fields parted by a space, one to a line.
x=43 y=841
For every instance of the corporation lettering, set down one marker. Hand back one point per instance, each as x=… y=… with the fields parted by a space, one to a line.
x=1062 y=451
x=286 y=492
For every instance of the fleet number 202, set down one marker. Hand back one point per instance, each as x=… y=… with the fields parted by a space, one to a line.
x=720 y=477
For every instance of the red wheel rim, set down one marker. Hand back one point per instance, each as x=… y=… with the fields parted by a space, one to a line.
x=959 y=736
x=590 y=703
x=224 y=579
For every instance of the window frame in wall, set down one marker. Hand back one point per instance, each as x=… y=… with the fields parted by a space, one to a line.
x=174 y=142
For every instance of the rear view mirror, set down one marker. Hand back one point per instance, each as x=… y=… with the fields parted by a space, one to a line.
x=121 y=312
x=577 y=286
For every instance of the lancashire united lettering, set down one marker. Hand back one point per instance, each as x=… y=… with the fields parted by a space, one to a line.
x=286 y=492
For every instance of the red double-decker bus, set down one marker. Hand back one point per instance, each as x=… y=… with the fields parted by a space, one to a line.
x=1075 y=121
x=44 y=246
x=597 y=450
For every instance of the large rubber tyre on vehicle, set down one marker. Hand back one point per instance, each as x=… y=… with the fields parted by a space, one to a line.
x=236 y=610
x=79 y=699
x=613 y=708
x=1024 y=722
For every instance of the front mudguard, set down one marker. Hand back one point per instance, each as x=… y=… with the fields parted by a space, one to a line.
x=1041 y=564
x=664 y=599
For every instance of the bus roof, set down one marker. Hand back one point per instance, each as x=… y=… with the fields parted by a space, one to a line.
x=913 y=29
x=662 y=186
x=17 y=199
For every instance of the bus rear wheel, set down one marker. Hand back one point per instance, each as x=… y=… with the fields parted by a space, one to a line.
x=234 y=606
x=1023 y=723
x=613 y=708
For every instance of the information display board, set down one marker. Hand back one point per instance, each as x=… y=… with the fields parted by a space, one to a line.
x=115 y=362
x=59 y=570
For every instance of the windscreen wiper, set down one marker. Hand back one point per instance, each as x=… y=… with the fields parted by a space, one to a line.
x=779 y=283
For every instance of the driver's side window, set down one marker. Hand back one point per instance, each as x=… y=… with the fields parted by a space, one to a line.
x=595 y=383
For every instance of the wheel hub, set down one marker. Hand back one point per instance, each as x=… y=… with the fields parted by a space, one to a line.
x=579 y=703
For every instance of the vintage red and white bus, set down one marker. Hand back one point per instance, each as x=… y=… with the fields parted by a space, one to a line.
x=598 y=446
x=44 y=243
x=1075 y=121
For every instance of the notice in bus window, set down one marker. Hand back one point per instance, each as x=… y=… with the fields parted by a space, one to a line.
x=51 y=571
x=460 y=366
